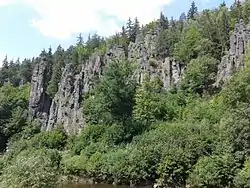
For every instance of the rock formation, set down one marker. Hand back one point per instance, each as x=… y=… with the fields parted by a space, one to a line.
x=39 y=102
x=233 y=61
x=66 y=107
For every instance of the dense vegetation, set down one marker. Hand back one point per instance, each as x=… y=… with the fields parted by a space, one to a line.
x=192 y=135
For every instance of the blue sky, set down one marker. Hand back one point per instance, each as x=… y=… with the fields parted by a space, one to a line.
x=28 y=26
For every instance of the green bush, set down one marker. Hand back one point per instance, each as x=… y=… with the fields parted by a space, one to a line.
x=175 y=167
x=90 y=134
x=30 y=169
x=242 y=178
x=55 y=139
x=74 y=165
x=213 y=171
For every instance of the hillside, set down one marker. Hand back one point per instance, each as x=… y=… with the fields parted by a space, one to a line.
x=166 y=104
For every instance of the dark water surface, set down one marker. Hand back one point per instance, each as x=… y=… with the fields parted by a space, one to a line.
x=98 y=186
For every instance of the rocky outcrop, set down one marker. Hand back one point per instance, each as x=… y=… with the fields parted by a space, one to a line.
x=92 y=71
x=233 y=61
x=66 y=107
x=143 y=52
x=39 y=101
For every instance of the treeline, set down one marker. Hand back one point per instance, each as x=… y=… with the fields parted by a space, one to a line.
x=193 y=135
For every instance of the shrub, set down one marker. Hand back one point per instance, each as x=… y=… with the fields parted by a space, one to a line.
x=215 y=171
x=242 y=178
x=30 y=169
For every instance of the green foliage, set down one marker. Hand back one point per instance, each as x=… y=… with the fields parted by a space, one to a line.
x=214 y=171
x=242 y=178
x=57 y=71
x=189 y=46
x=31 y=169
x=192 y=11
x=148 y=106
x=174 y=168
x=13 y=110
x=200 y=75
x=55 y=139
x=112 y=99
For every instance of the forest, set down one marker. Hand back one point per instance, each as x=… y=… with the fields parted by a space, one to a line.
x=194 y=134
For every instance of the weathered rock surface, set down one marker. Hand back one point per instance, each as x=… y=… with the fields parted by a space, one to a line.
x=233 y=61
x=39 y=101
x=66 y=107
x=167 y=69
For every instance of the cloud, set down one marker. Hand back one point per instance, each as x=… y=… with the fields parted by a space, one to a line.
x=61 y=19
x=6 y=2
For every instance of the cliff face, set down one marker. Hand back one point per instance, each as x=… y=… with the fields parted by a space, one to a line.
x=39 y=102
x=66 y=107
x=233 y=61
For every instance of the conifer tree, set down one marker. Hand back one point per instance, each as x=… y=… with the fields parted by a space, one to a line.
x=163 y=22
x=192 y=11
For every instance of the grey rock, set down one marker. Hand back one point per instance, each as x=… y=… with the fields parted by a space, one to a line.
x=233 y=61
x=39 y=101
x=66 y=107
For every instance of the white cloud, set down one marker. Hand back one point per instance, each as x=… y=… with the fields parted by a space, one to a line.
x=63 y=18
x=6 y=2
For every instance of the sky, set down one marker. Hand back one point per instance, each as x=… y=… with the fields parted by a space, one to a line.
x=28 y=26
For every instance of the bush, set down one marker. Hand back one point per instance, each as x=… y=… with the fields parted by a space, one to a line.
x=90 y=134
x=113 y=135
x=175 y=168
x=242 y=178
x=215 y=171
x=30 y=169
x=74 y=165
x=55 y=139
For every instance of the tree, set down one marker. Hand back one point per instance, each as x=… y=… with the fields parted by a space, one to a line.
x=188 y=47
x=224 y=26
x=163 y=22
x=147 y=107
x=130 y=30
x=223 y=4
x=80 y=40
x=57 y=72
x=136 y=30
x=113 y=98
x=236 y=13
x=192 y=11
x=182 y=20
x=246 y=11
x=165 y=42
x=4 y=71
x=200 y=75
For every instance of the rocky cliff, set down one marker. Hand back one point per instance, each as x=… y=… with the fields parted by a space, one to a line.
x=233 y=61
x=66 y=107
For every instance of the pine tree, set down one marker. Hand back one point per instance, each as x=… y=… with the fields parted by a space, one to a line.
x=135 y=30
x=163 y=22
x=182 y=20
x=172 y=22
x=223 y=4
x=130 y=29
x=57 y=72
x=80 y=40
x=4 y=74
x=224 y=26
x=192 y=11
